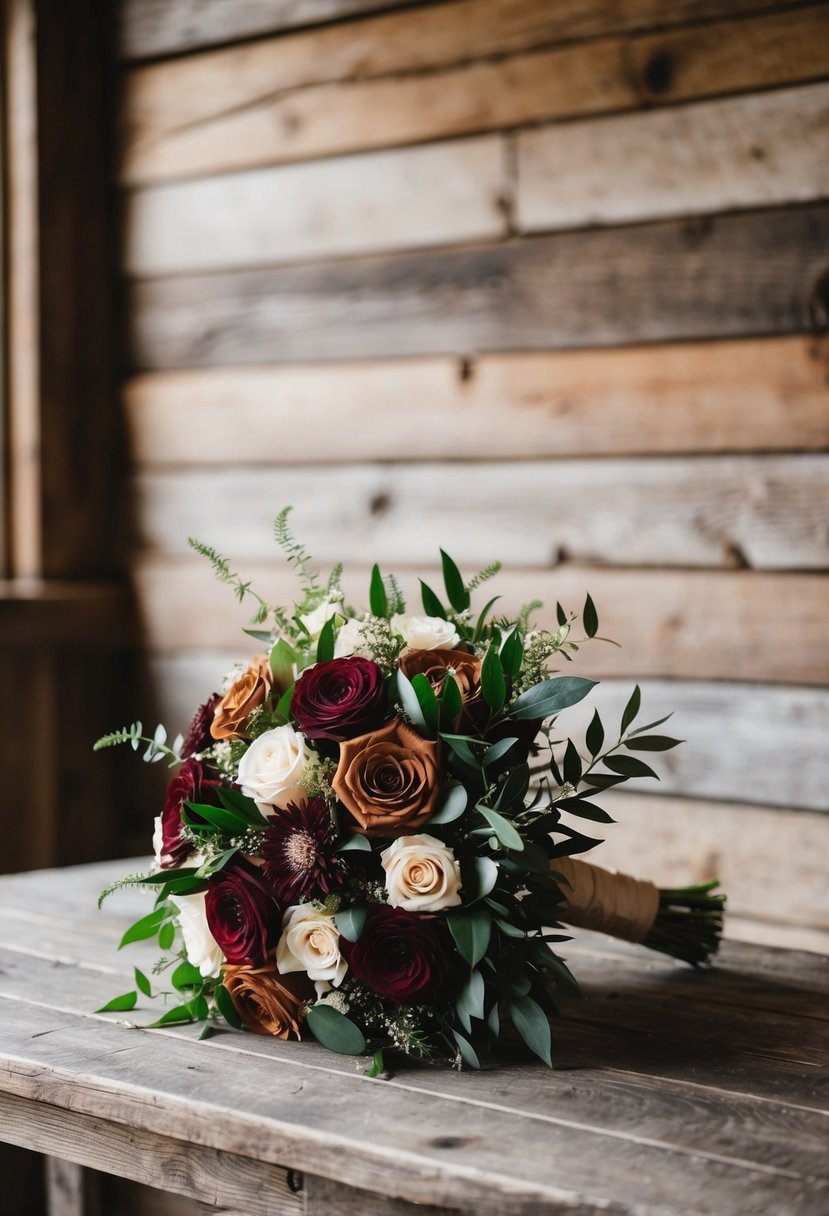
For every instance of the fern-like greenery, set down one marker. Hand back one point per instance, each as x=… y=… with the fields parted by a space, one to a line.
x=298 y=555
x=482 y=576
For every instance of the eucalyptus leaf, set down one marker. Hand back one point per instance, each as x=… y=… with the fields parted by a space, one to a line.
x=471 y=929
x=471 y=996
x=355 y=842
x=503 y=829
x=498 y=750
x=452 y=804
x=351 y=921
x=550 y=697
x=480 y=876
x=466 y=1049
x=532 y=1024
x=335 y=1031
x=410 y=700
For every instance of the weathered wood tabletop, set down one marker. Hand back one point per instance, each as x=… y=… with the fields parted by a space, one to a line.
x=674 y=1092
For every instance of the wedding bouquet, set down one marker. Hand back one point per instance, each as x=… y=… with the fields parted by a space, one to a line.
x=371 y=832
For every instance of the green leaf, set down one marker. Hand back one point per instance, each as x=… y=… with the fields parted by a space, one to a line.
x=459 y=744
x=226 y=1007
x=142 y=983
x=471 y=996
x=466 y=1049
x=217 y=863
x=218 y=817
x=586 y=810
x=283 y=705
x=282 y=661
x=572 y=764
x=640 y=730
x=631 y=709
x=512 y=653
x=351 y=921
x=498 y=750
x=456 y=592
x=166 y=935
x=119 y=1004
x=325 y=642
x=652 y=743
x=452 y=804
x=532 y=1024
x=590 y=618
x=471 y=930
x=508 y=929
x=186 y=976
x=493 y=685
x=355 y=842
x=335 y=1031
x=514 y=790
x=377 y=598
x=428 y=702
x=561 y=615
x=502 y=828
x=479 y=628
x=594 y=738
x=179 y=1013
x=377 y=1065
x=410 y=700
x=260 y=635
x=144 y=928
x=451 y=701
x=629 y=766
x=550 y=697
x=480 y=875
x=431 y=604
x=235 y=800
x=198 y=1007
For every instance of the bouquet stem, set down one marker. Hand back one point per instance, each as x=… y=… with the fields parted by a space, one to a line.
x=685 y=923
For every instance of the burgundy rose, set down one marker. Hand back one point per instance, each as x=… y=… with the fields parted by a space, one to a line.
x=403 y=956
x=198 y=735
x=241 y=913
x=188 y=785
x=339 y=699
x=301 y=854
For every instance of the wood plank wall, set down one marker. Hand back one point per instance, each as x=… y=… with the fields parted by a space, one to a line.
x=543 y=282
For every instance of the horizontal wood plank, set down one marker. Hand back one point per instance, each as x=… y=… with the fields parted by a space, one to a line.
x=673 y=280
x=683 y=624
x=759 y=150
x=748 y=395
x=150 y=28
x=542 y=85
x=54 y=613
x=164 y=97
x=765 y=512
x=445 y=194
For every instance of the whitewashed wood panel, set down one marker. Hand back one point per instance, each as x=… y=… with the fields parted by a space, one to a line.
x=438 y=195
x=685 y=624
x=749 y=151
x=767 y=512
x=744 y=742
x=565 y=81
x=693 y=397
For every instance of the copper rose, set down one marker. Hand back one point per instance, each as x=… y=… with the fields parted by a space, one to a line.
x=244 y=696
x=388 y=780
x=267 y=1002
x=434 y=664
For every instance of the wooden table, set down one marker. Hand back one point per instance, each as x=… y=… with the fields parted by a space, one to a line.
x=674 y=1092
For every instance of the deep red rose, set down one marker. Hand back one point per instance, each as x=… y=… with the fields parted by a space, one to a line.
x=339 y=699
x=402 y=956
x=188 y=785
x=198 y=735
x=241 y=913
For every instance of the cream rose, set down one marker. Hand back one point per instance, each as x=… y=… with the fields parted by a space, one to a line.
x=315 y=621
x=426 y=632
x=422 y=874
x=270 y=772
x=351 y=641
x=310 y=942
x=200 y=946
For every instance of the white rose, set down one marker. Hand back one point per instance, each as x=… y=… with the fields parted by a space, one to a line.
x=200 y=946
x=270 y=772
x=158 y=841
x=351 y=641
x=310 y=942
x=426 y=632
x=422 y=874
x=315 y=621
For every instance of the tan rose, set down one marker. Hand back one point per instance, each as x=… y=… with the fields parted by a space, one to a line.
x=388 y=780
x=422 y=874
x=434 y=664
x=244 y=696
x=267 y=1002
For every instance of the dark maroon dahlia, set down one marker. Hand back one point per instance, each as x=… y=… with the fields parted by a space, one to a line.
x=300 y=853
x=188 y=785
x=241 y=913
x=198 y=735
x=339 y=699
x=405 y=957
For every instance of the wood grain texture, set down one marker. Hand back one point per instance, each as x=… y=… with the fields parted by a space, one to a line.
x=750 y=395
x=668 y=281
x=768 y=513
x=58 y=613
x=563 y=82
x=165 y=97
x=147 y=28
x=760 y=150
x=499 y=1169
x=441 y=195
